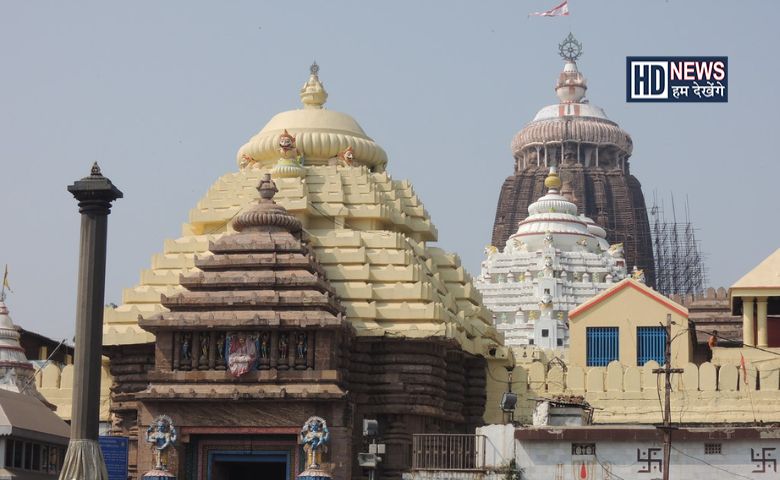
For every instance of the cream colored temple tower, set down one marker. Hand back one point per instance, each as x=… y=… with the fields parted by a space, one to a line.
x=369 y=231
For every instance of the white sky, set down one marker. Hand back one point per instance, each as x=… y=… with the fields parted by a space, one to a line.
x=163 y=94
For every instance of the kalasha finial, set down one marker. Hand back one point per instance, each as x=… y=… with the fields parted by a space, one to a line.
x=570 y=49
x=267 y=188
x=95 y=172
x=314 y=69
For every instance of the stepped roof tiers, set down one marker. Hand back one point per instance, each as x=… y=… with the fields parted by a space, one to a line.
x=555 y=261
x=16 y=372
x=393 y=329
x=592 y=153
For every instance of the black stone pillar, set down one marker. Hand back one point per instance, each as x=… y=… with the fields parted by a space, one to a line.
x=84 y=459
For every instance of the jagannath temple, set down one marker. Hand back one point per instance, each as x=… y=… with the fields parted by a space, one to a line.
x=303 y=286
x=593 y=157
x=555 y=261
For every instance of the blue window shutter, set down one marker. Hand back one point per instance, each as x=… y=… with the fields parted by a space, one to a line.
x=603 y=346
x=651 y=344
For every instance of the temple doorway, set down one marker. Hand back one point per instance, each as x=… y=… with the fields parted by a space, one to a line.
x=244 y=466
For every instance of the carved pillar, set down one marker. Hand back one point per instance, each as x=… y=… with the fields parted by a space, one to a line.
x=212 y=350
x=310 y=350
x=763 y=334
x=84 y=458
x=748 y=333
x=274 y=349
x=176 y=351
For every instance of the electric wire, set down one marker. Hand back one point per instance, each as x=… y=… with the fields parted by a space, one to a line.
x=710 y=464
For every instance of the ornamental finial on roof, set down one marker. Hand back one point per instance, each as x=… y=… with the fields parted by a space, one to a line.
x=267 y=188
x=553 y=181
x=266 y=215
x=570 y=49
x=313 y=94
x=95 y=171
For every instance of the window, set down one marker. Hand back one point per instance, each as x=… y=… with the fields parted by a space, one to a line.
x=28 y=453
x=602 y=346
x=18 y=452
x=530 y=341
x=583 y=448
x=651 y=344
x=559 y=342
x=545 y=333
x=712 y=448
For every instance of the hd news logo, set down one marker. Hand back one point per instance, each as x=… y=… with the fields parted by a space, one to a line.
x=677 y=79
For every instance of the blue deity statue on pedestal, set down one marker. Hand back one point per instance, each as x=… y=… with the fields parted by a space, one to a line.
x=314 y=437
x=161 y=435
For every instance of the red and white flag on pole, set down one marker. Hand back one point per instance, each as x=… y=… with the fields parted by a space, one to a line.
x=561 y=10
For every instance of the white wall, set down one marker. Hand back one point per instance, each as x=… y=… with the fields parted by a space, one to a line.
x=554 y=461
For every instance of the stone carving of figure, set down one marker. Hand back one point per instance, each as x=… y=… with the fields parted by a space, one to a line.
x=221 y=347
x=616 y=250
x=314 y=437
x=548 y=267
x=264 y=342
x=242 y=354
x=548 y=239
x=204 y=349
x=161 y=434
x=185 y=347
x=287 y=146
x=346 y=157
x=284 y=348
x=638 y=274
x=300 y=347
x=490 y=250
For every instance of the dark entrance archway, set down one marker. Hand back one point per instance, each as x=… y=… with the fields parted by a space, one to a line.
x=237 y=465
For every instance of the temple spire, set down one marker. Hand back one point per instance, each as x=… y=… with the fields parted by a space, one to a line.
x=313 y=94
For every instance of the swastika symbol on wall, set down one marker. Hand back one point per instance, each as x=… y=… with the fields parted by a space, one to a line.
x=650 y=459
x=762 y=459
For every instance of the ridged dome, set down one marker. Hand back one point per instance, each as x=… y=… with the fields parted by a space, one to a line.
x=571 y=120
x=320 y=134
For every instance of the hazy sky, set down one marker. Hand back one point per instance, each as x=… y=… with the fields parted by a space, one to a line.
x=163 y=94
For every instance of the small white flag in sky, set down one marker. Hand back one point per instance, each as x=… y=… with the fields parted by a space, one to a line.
x=561 y=10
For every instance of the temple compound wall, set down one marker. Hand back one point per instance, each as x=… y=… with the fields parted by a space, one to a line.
x=707 y=393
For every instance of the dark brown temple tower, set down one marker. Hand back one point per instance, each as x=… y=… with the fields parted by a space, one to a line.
x=593 y=154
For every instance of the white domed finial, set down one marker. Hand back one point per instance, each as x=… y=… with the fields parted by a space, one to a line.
x=313 y=94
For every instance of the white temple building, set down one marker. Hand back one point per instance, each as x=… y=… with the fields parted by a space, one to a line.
x=555 y=261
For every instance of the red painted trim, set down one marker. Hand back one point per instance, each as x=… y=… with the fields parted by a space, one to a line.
x=554 y=233
x=620 y=287
x=578 y=222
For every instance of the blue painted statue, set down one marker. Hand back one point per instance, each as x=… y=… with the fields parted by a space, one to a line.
x=314 y=437
x=161 y=435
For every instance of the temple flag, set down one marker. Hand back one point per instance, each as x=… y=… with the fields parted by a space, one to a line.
x=561 y=10
x=742 y=366
x=6 y=286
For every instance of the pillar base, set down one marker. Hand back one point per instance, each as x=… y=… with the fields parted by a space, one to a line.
x=159 y=475
x=84 y=459
x=314 y=472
